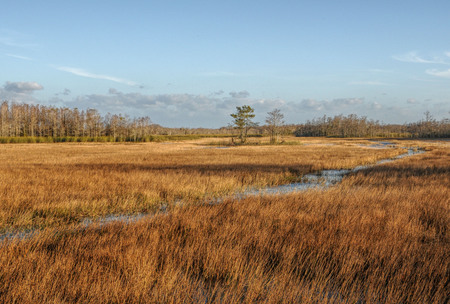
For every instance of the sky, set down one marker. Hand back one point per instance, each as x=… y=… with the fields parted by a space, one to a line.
x=191 y=63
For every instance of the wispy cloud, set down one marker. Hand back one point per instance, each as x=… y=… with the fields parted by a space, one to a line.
x=84 y=73
x=14 y=39
x=442 y=60
x=241 y=94
x=413 y=57
x=7 y=41
x=65 y=92
x=438 y=73
x=18 y=57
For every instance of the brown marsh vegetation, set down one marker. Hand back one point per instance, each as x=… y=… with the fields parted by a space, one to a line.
x=381 y=236
x=58 y=184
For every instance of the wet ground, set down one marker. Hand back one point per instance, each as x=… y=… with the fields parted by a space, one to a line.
x=325 y=178
x=320 y=180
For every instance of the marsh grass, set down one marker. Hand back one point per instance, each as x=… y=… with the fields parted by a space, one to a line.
x=47 y=185
x=380 y=237
x=255 y=141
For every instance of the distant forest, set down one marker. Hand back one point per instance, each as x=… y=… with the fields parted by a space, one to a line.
x=40 y=123
x=354 y=126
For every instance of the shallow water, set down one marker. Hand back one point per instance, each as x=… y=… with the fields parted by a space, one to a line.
x=324 y=179
x=320 y=180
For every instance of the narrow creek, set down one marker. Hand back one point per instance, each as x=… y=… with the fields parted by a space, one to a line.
x=326 y=178
x=320 y=180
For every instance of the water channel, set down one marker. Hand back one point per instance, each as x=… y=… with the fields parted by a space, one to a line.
x=320 y=180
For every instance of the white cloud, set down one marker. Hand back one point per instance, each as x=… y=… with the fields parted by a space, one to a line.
x=177 y=109
x=213 y=111
x=330 y=105
x=19 y=92
x=437 y=73
x=18 y=56
x=312 y=104
x=22 y=87
x=415 y=58
x=83 y=73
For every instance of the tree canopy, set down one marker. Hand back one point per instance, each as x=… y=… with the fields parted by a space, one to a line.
x=242 y=121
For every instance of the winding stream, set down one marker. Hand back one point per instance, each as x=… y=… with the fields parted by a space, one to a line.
x=320 y=180
x=326 y=178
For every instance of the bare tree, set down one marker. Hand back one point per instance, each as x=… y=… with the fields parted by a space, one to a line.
x=274 y=121
x=4 y=119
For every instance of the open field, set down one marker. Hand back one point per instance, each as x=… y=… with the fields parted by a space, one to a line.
x=381 y=236
x=58 y=184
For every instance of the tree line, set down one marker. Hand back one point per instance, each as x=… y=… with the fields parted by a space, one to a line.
x=24 y=120
x=355 y=126
x=38 y=121
x=338 y=126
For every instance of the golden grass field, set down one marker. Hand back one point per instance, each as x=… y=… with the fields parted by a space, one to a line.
x=58 y=184
x=381 y=236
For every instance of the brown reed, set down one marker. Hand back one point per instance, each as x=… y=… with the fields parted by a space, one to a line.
x=58 y=184
x=380 y=237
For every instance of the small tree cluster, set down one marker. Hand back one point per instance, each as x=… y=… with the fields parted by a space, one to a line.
x=243 y=121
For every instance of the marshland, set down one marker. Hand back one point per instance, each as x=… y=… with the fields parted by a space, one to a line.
x=379 y=236
x=225 y=152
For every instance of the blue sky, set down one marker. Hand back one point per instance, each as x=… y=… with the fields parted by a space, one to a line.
x=190 y=63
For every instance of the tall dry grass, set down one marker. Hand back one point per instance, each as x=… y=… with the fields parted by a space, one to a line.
x=380 y=237
x=58 y=184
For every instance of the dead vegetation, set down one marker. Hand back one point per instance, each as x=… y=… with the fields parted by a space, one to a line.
x=45 y=185
x=379 y=237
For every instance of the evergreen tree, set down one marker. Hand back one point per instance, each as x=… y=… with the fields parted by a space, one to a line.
x=242 y=121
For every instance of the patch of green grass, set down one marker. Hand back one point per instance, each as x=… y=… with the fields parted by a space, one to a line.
x=147 y=138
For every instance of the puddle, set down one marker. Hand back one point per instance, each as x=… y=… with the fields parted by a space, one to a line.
x=378 y=145
x=114 y=218
x=18 y=235
x=320 y=180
